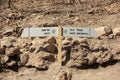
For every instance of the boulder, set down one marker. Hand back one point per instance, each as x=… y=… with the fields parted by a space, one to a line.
x=51 y=40
x=12 y=51
x=4 y=59
x=49 y=23
x=8 y=41
x=66 y=42
x=36 y=49
x=103 y=31
x=116 y=31
x=65 y=57
x=40 y=60
x=11 y=63
x=50 y=48
x=24 y=58
x=2 y=50
x=8 y=32
x=113 y=8
x=64 y=75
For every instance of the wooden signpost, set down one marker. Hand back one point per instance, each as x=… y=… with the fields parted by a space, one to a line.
x=59 y=32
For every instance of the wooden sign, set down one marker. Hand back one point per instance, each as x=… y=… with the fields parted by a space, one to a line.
x=59 y=32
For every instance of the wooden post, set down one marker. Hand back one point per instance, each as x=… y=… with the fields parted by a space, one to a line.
x=60 y=46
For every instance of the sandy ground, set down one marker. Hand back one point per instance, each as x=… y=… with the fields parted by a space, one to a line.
x=38 y=13
x=111 y=72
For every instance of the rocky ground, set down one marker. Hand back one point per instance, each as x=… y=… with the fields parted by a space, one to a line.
x=82 y=58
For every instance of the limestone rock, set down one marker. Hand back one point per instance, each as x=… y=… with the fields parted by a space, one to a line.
x=12 y=51
x=8 y=41
x=49 y=23
x=36 y=49
x=50 y=48
x=116 y=31
x=5 y=42
x=8 y=32
x=64 y=54
x=40 y=60
x=51 y=40
x=103 y=31
x=113 y=8
x=66 y=42
x=12 y=63
x=64 y=75
x=4 y=59
x=2 y=50
x=24 y=58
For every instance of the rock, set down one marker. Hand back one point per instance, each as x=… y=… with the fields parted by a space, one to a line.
x=50 y=48
x=2 y=50
x=64 y=55
x=76 y=19
x=116 y=31
x=5 y=42
x=38 y=41
x=36 y=49
x=49 y=23
x=37 y=21
x=66 y=42
x=17 y=31
x=8 y=41
x=51 y=40
x=40 y=60
x=12 y=51
x=70 y=63
x=8 y=32
x=103 y=31
x=113 y=8
x=32 y=49
x=69 y=39
x=4 y=59
x=12 y=63
x=24 y=58
x=64 y=75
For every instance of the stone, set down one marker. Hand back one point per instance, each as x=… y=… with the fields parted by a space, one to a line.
x=66 y=42
x=49 y=23
x=64 y=75
x=4 y=59
x=76 y=19
x=12 y=51
x=64 y=56
x=69 y=38
x=36 y=49
x=51 y=40
x=116 y=31
x=113 y=8
x=103 y=31
x=24 y=58
x=40 y=60
x=8 y=32
x=11 y=63
x=2 y=50
x=5 y=42
x=38 y=41
x=50 y=48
